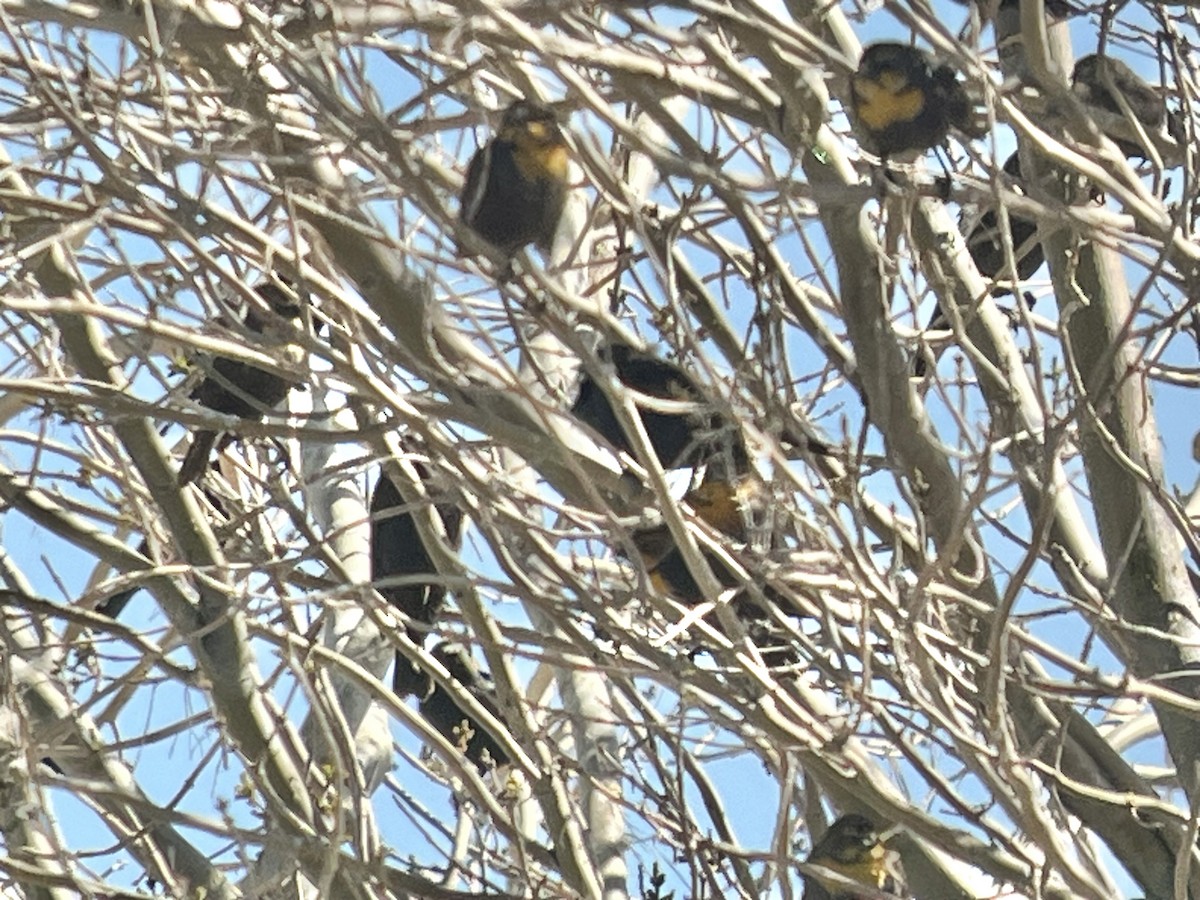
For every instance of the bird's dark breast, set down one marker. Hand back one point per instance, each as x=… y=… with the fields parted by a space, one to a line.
x=901 y=134
x=671 y=576
x=514 y=210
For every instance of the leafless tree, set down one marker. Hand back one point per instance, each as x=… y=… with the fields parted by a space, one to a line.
x=975 y=584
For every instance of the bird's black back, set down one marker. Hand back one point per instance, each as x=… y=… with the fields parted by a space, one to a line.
x=1088 y=82
x=235 y=388
x=987 y=248
x=677 y=438
x=442 y=711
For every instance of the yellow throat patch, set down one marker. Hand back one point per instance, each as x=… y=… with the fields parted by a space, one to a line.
x=887 y=100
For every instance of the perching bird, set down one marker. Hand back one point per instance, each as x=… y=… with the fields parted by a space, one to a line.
x=724 y=505
x=517 y=184
x=679 y=437
x=397 y=552
x=1090 y=84
x=986 y=246
x=719 y=503
x=442 y=711
x=851 y=847
x=900 y=100
x=234 y=388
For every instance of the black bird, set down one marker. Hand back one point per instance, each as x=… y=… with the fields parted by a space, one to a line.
x=986 y=246
x=517 y=184
x=851 y=847
x=239 y=389
x=679 y=438
x=901 y=100
x=1145 y=102
x=442 y=711
x=397 y=552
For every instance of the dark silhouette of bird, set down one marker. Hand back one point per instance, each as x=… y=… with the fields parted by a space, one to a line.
x=398 y=552
x=442 y=711
x=235 y=388
x=851 y=847
x=679 y=437
x=986 y=246
x=1091 y=82
x=901 y=100
x=517 y=183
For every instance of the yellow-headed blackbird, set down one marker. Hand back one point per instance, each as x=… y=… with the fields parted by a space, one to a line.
x=678 y=438
x=1091 y=82
x=722 y=504
x=235 y=388
x=517 y=184
x=901 y=100
x=718 y=502
x=398 y=552
x=851 y=847
x=986 y=246
x=442 y=711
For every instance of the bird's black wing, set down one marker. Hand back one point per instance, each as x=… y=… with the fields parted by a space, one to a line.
x=398 y=552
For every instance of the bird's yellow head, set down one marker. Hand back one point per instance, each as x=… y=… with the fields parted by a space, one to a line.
x=891 y=85
x=540 y=149
x=719 y=503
